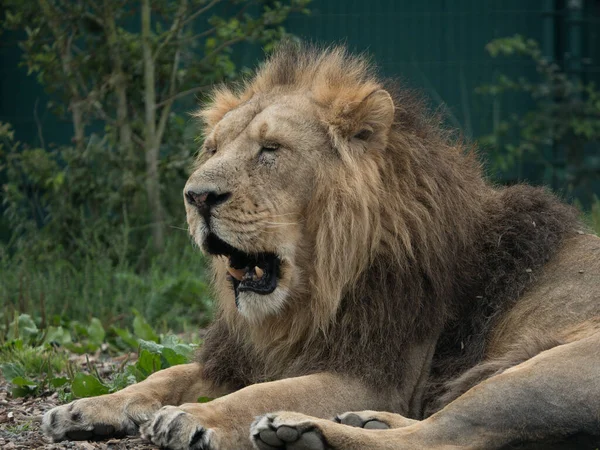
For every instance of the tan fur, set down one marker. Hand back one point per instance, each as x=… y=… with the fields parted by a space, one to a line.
x=406 y=278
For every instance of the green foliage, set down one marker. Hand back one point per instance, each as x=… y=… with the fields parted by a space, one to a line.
x=40 y=361
x=558 y=130
x=80 y=217
x=84 y=385
x=69 y=204
x=172 y=292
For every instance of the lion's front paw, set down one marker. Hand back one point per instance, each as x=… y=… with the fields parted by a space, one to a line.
x=286 y=431
x=175 y=429
x=97 y=418
x=374 y=420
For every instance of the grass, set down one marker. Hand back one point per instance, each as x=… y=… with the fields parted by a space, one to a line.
x=592 y=218
x=172 y=291
x=19 y=428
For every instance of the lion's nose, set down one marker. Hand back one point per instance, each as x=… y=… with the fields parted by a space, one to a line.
x=204 y=201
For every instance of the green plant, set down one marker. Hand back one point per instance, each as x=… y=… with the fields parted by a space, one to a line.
x=171 y=291
x=101 y=69
x=556 y=132
x=97 y=227
x=36 y=360
x=593 y=216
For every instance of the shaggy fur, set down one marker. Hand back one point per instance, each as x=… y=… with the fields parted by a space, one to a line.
x=405 y=238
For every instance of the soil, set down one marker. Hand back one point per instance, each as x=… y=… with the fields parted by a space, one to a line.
x=20 y=418
x=20 y=421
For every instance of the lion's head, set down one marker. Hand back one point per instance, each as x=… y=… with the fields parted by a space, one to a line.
x=298 y=188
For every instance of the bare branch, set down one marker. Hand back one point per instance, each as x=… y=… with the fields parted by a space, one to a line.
x=151 y=143
x=65 y=54
x=182 y=94
x=138 y=140
x=38 y=123
x=162 y=123
x=200 y=12
x=120 y=83
x=176 y=27
x=195 y=36
x=102 y=114
x=221 y=47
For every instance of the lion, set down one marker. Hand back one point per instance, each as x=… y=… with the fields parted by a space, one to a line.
x=363 y=263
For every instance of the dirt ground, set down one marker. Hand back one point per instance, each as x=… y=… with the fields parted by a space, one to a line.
x=20 y=420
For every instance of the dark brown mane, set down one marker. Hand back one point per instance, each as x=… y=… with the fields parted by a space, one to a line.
x=452 y=250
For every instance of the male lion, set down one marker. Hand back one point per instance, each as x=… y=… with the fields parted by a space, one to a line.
x=362 y=263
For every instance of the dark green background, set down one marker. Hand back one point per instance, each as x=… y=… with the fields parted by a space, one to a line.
x=434 y=45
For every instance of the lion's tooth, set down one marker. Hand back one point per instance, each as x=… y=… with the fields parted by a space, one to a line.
x=259 y=272
x=238 y=274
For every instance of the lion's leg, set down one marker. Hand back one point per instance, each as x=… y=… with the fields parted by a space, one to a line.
x=122 y=412
x=555 y=393
x=224 y=423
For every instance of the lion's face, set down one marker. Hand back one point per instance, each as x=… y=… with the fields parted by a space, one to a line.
x=247 y=198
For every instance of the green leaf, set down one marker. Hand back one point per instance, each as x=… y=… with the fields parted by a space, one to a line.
x=22 y=387
x=82 y=348
x=12 y=370
x=57 y=335
x=142 y=329
x=87 y=386
x=172 y=358
x=58 y=381
x=127 y=337
x=22 y=381
x=134 y=371
x=79 y=329
x=173 y=342
x=150 y=346
x=148 y=362
x=23 y=327
x=205 y=399
x=96 y=331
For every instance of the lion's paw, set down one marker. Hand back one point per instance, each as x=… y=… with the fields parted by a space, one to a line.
x=97 y=418
x=175 y=429
x=360 y=420
x=374 y=420
x=286 y=432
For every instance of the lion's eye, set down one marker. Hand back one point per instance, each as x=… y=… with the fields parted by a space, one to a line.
x=269 y=148
x=210 y=150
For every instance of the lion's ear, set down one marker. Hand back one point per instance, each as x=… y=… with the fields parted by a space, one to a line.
x=365 y=122
x=375 y=114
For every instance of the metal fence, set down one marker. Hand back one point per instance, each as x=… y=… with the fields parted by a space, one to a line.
x=435 y=45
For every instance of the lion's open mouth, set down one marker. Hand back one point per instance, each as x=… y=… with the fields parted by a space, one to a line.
x=257 y=272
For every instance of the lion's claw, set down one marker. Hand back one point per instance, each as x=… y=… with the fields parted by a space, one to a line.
x=175 y=429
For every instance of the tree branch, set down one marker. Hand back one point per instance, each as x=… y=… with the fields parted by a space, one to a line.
x=176 y=27
x=65 y=55
x=120 y=81
x=200 y=12
x=162 y=123
x=221 y=47
x=182 y=94
x=151 y=143
x=195 y=36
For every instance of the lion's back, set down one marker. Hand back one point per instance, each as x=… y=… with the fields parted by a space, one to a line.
x=563 y=302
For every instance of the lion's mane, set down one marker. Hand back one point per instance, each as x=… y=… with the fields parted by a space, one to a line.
x=409 y=239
